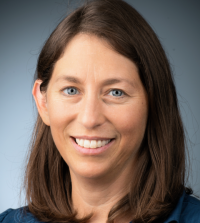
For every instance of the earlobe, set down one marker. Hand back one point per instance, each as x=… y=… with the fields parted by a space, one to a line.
x=41 y=103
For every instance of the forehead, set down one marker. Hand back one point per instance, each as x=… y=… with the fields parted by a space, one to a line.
x=87 y=56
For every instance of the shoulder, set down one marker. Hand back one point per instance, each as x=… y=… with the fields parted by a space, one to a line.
x=190 y=209
x=19 y=215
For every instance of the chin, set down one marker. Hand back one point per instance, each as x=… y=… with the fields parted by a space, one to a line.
x=90 y=170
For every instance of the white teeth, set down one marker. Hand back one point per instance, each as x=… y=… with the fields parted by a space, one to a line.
x=91 y=143
x=86 y=144
x=99 y=144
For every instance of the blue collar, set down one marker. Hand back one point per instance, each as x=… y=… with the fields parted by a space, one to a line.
x=176 y=213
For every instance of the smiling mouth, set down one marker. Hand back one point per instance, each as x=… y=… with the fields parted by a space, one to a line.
x=92 y=144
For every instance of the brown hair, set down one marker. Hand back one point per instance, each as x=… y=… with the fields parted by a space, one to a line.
x=160 y=168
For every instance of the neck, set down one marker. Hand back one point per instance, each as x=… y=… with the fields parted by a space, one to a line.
x=99 y=195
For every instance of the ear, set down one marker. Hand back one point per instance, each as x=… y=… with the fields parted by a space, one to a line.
x=41 y=103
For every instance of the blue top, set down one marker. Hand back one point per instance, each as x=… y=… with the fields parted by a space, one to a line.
x=186 y=211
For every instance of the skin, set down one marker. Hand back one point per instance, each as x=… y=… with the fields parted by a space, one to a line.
x=98 y=181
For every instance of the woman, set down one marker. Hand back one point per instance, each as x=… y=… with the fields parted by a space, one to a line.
x=108 y=144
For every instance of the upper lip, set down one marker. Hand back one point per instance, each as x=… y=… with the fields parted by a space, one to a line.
x=91 y=137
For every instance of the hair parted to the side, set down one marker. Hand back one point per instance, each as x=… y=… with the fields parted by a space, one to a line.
x=159 y=177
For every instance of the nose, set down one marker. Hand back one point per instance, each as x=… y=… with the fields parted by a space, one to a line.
x=91 y=113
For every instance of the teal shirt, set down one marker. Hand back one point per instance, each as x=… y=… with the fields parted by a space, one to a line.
x=186 y=211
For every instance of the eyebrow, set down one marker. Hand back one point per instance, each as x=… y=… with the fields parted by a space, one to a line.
x=108 y=81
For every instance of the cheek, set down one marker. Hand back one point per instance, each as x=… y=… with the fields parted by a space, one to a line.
x=60 y=117
x=59 y=112
x=130 y=121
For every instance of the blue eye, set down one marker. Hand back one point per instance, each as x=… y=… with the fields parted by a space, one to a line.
x=117 y=92
x=70 y=91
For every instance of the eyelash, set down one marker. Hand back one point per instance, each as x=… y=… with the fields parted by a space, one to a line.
x=120 y=97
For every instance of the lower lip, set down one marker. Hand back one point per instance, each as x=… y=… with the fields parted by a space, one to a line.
x=91 y=151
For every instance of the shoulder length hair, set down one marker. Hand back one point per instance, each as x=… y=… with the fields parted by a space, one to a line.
x=159 y=177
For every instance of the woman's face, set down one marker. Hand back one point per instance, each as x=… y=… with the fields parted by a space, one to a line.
x=96 y=92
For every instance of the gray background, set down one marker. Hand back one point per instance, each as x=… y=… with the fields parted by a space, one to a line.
x=25 y=25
